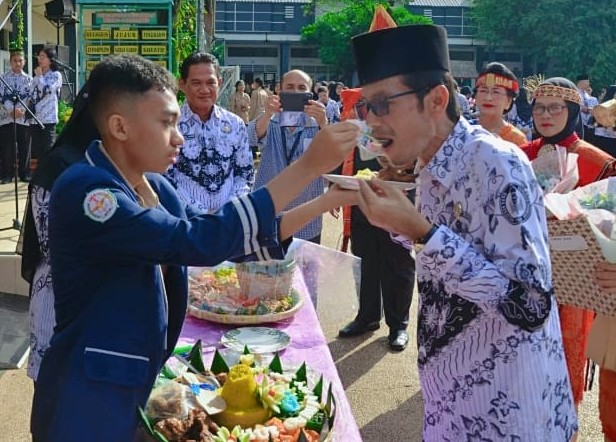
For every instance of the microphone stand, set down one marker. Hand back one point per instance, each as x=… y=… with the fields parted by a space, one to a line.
x=64 y=68
x=16 y=99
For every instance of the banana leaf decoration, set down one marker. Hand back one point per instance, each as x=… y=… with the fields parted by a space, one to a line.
x=218 y=364
x=195 y=357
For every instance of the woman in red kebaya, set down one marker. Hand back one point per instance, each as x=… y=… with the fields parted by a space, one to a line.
x=495 y=90
x=556 y=116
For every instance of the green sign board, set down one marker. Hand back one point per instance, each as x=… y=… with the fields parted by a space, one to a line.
x=130 y=28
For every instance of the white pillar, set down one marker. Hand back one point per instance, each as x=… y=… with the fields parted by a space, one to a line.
x=29 y=36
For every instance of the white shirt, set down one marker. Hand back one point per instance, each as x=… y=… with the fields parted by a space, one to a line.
x=20 y=83
x=215 y=162
x=44 y=93
x=589 y=101
x=332 y=111
x=491 y=357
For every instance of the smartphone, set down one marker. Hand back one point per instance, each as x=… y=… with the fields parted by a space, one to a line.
x=294 y=101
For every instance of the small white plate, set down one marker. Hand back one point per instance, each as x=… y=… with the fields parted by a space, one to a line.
x=352 y=183
x=257 y=339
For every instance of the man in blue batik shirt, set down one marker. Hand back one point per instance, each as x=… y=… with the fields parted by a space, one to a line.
x=215 y=163
x=282 y=145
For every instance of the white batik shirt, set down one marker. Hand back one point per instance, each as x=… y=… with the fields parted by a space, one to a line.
x=491 y=359
x=45 y=93
x=20 y=83
x=215 y=163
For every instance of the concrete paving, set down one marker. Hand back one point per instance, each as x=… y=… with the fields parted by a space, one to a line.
x=382 y=386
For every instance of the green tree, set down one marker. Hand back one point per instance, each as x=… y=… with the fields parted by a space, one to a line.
x=332 y=31
x=184 y=31
x=18 y=38
x=560 y=37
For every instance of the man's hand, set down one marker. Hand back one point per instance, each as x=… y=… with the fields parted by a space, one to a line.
x=329 y=148
x=388 y=208
x=272 y=105
x=317 y=111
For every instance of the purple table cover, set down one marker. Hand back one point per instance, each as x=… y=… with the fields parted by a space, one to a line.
x=308 y=345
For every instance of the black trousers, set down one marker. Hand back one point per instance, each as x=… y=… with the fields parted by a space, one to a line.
x=42 y=139
x=387 y=276
x=7 y=150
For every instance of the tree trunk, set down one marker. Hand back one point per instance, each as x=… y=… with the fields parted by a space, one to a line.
x=209 y=21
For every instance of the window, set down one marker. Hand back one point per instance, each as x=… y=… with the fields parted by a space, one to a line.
x=305 y=52
x=252 y=51
x=462 y=55
x=289 y=12
x=427 y=13
x=508 y=56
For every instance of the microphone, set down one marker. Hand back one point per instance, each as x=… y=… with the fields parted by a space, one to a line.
x=63 y=65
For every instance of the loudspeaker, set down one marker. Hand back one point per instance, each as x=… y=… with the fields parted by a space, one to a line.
x=59 y=9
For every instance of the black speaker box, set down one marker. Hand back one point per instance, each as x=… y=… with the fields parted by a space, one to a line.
x=59 y=9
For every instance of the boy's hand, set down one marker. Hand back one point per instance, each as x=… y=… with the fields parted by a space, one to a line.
x=329 y=148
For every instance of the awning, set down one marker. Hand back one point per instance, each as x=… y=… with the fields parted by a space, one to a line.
x=463 y=69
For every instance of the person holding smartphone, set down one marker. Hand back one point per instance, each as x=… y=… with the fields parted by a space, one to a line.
x=282 y=134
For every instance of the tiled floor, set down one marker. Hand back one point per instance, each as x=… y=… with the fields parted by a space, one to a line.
x=14 y=330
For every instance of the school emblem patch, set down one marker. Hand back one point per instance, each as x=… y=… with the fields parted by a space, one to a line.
x=100 y=205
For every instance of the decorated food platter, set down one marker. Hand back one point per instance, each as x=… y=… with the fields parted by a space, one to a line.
x=244 y=294
x=247 y=401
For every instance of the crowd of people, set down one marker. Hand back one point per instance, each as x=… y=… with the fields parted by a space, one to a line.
x=249 y=104
x=137 y=187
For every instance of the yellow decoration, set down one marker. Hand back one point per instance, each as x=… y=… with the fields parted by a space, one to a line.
x=240 y=393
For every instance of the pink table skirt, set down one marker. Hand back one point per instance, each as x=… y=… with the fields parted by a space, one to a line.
x=307 y=344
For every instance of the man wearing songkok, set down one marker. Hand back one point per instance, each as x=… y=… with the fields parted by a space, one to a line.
x=491 y=361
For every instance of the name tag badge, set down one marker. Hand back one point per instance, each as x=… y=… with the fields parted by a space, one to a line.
x=307 y=142
x=568 y=243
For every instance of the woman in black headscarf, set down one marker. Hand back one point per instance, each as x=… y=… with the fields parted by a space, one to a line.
x=68 y=149
x=556 y=117
x=521 y=113
x=605 y=137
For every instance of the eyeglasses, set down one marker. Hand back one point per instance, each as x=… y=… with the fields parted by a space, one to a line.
x=496 y=92
x=380 y=106
x=553 y=109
